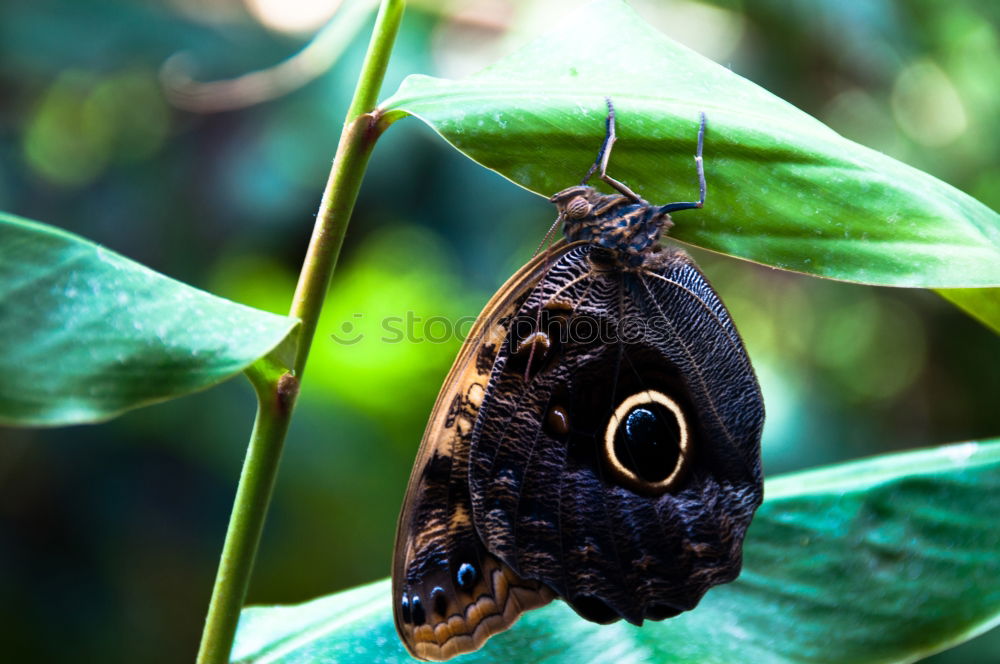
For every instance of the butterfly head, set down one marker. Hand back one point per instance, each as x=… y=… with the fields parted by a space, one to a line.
x=577 y=202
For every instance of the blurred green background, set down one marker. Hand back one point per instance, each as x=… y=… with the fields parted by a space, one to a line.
x=109 y=534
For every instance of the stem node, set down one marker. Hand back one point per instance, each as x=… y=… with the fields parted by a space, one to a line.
x=287 y=390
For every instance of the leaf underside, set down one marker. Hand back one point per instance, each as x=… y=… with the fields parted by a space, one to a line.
x=783 y=189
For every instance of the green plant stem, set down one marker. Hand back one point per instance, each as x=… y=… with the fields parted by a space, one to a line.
x=276 y=394
x=246 y=522
x=361 y=129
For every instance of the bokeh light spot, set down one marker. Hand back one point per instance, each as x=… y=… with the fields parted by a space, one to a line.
x=292 y=15
x=63 y=144
x=85 y=122
x=926 y=105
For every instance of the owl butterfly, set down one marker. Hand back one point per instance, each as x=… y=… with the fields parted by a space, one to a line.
x=597 y=439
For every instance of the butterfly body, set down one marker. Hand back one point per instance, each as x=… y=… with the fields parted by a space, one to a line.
x=613 y=221
x=596 y=440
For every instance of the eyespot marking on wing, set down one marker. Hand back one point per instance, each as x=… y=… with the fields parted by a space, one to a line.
x=647 y=443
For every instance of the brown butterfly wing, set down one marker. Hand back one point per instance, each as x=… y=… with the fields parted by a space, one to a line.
x=555 y=498
x=449 y=593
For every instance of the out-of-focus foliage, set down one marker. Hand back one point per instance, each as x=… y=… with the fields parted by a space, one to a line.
x=112 y=532
x=980 y=303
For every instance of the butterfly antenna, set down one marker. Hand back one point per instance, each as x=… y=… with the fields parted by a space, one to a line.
x=548 y=236
x=700 y=166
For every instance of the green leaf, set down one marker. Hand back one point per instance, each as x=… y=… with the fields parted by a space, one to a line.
x=87 y=334
x=783 y=189
x=881 y=560
x=983 y=304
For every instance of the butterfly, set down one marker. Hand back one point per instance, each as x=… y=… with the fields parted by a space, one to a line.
x=597 y=439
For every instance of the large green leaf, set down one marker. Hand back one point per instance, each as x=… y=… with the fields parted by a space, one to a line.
x=882 y=560
x=783 y=189
x=86 y=334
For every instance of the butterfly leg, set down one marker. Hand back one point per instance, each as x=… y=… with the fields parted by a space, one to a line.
x=604 y=155
x=700 y=165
